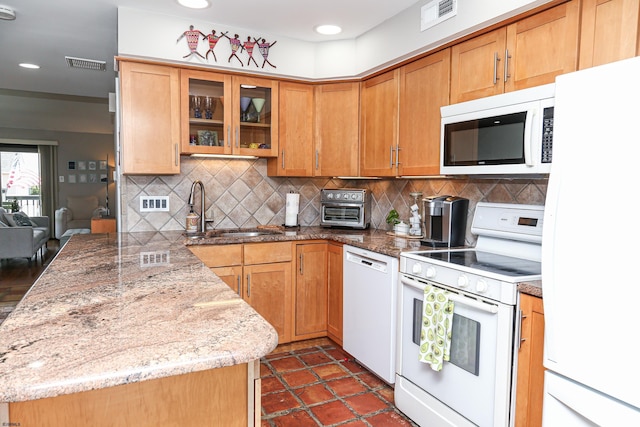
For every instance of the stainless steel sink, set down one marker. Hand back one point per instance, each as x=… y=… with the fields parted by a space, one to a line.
x=244 y=233
x=215 y=234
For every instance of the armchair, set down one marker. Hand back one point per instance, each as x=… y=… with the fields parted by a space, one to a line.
x=22 y=241
x=77 y=214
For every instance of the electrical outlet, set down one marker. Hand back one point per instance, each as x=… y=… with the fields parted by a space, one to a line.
x=154 y=203
x=154 y=259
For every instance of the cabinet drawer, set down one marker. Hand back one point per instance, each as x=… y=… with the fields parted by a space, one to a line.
x=262 y=253
x=218 y=255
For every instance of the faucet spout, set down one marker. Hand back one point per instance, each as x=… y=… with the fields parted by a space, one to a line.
x=203 y=222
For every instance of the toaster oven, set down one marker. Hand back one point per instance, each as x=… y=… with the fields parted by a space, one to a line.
x=346 y=207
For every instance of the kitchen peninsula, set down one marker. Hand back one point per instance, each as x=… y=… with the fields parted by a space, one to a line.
x=131 y=329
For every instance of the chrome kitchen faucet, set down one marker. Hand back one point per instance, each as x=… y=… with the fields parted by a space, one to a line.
x=203 y=220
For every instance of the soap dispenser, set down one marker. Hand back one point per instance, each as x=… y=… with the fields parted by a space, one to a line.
x=192 y=221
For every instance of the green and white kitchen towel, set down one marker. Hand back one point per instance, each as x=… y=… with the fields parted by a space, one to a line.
x=437 y=318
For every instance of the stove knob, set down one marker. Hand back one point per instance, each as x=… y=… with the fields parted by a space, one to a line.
x=481 y=286
x=463 y=281
x=430 y=273
x=416 y=269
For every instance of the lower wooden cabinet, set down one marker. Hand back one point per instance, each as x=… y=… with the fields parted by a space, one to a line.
x=310 y=299
x=334 y=291
x=296 y=287
x=260 y=273
x=530 y=382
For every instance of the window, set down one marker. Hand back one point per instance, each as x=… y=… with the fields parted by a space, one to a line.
x=20 y=179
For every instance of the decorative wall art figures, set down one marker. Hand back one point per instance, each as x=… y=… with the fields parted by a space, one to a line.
x=192 y=41
x=264 y=50
x=248 y=46
x=213 y=40
x=235 y=44
x=192 y=36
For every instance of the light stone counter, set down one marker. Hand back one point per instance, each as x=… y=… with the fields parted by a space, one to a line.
x=121 y=308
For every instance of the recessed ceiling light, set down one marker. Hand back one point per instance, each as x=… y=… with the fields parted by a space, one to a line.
x=7 y=13
x=194 y=4
x=328 y=30
x=31 y=66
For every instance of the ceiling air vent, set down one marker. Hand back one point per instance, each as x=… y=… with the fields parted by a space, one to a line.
x=437 y=11
x=87 y=64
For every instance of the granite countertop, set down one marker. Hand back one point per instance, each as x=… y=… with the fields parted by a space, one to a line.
x=121 y=308
x=371 y=239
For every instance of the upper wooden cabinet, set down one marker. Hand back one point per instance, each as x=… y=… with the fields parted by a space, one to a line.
x=295 y=136
x=424 y=88
x=150 y=114
x=527 y=53
x=224 y=114
x=609 y=31
x=401 y=118
x=379 y=109
x=337 y=118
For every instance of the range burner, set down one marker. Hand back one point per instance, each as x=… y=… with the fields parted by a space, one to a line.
x=486 y=261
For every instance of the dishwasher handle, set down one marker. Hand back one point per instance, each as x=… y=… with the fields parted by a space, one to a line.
x=367 y=262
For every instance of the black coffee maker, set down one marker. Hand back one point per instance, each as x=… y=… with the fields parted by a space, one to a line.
x=444 y=220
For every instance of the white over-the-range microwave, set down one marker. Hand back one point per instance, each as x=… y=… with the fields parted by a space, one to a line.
x=507 y=134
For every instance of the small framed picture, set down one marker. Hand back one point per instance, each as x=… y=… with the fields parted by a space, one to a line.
x=82 y=178
x=103 y=165
x=71 y=165
x=103 y=177
x=82 y=165
x=93 y=178
x=92 y=165
x=71 y=178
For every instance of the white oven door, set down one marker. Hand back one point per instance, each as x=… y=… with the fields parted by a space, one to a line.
x=476 y=382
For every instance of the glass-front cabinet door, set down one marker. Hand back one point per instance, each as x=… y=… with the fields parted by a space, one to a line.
x=255 y=116
x=226 y=114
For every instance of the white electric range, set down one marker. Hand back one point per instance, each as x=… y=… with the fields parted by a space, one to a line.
x=475 y=386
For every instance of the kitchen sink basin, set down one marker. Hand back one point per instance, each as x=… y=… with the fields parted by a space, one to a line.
x=252 y=232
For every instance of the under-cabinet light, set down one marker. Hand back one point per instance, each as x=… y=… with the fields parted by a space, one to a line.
x=223 y=156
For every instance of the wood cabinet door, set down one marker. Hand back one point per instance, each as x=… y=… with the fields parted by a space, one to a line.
x=337 y=118
x=295 y=135
x=267 y=288
x=379 y=125
x=150 y=113
x=609 y=31
x=310 y=305
x=424 y=88
x=530 y=381
x=477 y=65
x=334 y=291
x=231 y=275
x=542 y=46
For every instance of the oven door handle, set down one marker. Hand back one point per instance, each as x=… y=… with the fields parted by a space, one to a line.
x=456 y=298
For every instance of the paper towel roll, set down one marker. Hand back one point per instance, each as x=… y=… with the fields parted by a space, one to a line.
x=291 y=209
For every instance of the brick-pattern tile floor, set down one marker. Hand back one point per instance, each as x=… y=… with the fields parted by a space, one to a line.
x=323 y=386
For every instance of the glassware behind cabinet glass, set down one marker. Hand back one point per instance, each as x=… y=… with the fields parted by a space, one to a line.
x=209 y=107
x=245 y=101
x=196 y=105
x=258 y=103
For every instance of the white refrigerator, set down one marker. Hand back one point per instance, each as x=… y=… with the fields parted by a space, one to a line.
x=591 y=250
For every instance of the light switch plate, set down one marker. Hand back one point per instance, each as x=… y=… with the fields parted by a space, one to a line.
x=154 y=203
x=155 y=259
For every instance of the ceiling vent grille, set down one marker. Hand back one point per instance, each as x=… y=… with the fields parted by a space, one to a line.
x=87 y=64
x=437 y=11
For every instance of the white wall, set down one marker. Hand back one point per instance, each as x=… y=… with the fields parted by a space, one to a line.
x=143 y=34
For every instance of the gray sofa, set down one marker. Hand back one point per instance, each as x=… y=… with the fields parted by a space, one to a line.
x=23 y=241
x=76 y=216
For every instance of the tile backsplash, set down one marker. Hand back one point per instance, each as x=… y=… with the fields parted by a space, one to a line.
x=240 y=194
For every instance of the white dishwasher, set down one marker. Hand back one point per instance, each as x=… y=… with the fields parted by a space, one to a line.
x=370 y=283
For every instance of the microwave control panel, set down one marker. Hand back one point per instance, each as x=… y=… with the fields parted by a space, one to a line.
x=547 y=135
